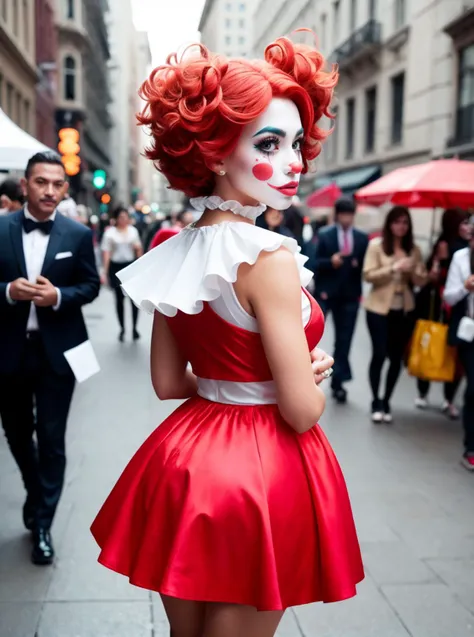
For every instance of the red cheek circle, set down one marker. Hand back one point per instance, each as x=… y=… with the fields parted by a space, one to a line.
x=262 y=172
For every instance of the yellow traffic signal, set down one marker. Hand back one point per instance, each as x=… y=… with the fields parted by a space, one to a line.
x=70 y=149
x=105 y=198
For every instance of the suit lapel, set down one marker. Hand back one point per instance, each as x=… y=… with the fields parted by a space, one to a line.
x=53 y=244
x=16 y=233
x=335 y=235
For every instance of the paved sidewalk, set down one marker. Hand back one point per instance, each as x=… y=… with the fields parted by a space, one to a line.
x=414 y=508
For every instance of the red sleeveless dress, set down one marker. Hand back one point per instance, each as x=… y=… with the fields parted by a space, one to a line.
x=227 y=503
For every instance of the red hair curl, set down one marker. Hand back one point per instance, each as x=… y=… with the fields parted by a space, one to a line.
x=197 y=106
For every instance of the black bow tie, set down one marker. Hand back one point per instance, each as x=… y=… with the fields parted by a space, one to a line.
x=44 y=226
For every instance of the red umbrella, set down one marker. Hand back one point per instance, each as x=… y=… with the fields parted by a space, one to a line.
x=443 y=183
x=325 y=197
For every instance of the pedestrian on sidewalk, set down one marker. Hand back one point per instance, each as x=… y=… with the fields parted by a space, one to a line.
x=120 y=247
x=11 y=196
x=455 y=235
x=459 y=294
x=340 y=253
x=393 y=265
x=47 y=273
x=235 y=507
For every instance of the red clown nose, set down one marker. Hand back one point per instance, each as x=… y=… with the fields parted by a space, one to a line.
x=296 y=167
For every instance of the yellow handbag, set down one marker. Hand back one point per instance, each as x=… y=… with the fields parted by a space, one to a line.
x=431 y=358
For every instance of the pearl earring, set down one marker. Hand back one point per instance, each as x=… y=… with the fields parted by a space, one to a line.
x=221 y=173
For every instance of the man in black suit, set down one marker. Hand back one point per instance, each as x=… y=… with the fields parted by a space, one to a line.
x=47 y=273
x=340 y=255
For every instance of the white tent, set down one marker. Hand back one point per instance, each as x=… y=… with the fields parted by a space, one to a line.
x=16 y=146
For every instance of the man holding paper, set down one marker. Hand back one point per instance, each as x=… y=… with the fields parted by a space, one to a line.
x=47 y=273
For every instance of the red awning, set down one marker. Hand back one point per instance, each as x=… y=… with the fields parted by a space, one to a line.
x=325 y=197
x=443 y=183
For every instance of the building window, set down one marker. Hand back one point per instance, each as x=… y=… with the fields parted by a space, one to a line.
x=15 y=18
x=353 y=15
x=398 y=94
x=10 y=100
x=334 y=136
x=27 y=115
x=322 y=37
x=241 y=40
x=18 y=112
x=70 y=72
x=228 y=6
x=400 y=13
x=465 y=114
x=371 y=119
x=228 y=23
x=26 y=24
x=228 y=39
x=69 y=9
x=242 y=7
x=350 y=122
x=335 y=21
x=372 y=9
x=242 y=23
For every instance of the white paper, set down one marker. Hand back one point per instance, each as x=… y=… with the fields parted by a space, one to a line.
x=83 y=361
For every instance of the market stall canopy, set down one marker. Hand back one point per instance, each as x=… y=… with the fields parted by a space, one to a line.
x=325 y=197
x=443 y=183
x=16 y=146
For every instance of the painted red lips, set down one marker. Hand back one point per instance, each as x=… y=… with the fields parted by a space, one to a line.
x=289 y=190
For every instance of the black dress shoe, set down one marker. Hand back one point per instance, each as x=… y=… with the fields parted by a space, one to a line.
x=29 y=514
x=43 y=552
x=340 y=395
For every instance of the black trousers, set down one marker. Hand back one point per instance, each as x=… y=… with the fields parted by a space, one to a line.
x=344 y=314
x=119 y=295
x=466 y=354
x=36 y=388
x=449 y=389
x=390 y=335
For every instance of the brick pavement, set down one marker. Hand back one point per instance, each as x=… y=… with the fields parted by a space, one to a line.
x=412 y=501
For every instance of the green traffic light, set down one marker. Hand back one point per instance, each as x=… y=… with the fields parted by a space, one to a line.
x=99 y=179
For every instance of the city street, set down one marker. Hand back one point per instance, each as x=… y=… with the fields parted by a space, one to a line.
x=412 y=500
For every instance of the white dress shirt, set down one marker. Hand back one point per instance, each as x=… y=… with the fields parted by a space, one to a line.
x=459 y=271
x=35 y=244
x=350 y=238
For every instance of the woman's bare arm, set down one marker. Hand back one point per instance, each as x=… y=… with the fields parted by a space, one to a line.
x=273 y=289
x=169 y=374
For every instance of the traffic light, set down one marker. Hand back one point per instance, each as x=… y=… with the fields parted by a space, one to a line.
x=105 y=198
x=69 y=148
x=99 y=179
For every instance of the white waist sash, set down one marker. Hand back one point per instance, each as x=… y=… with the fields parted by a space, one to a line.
x=231 y=393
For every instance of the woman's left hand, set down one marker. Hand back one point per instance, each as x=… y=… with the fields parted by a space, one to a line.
x=321 y=364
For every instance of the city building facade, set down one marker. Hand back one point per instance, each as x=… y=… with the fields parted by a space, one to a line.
x=406 y=88
x=226 y=26
x=18 y=73
x=145 y=167
x=125 y=80
x=83 y=95
x=46 y=61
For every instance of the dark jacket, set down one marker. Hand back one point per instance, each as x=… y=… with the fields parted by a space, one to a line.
x=344 y=282
x=76 y=277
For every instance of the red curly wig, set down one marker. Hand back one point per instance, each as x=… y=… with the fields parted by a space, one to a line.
x=196 y=107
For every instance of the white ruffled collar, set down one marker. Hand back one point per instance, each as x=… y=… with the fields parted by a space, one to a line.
x=214 y=202
x=187 y=270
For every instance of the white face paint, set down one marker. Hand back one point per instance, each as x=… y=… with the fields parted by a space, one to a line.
x=266 y=164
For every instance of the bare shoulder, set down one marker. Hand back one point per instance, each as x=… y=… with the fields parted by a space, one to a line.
x=278 y=266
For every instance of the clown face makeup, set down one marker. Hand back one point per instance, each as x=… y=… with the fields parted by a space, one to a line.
x=266 y=164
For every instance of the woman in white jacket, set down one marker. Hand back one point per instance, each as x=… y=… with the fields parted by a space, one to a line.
x=459 y=294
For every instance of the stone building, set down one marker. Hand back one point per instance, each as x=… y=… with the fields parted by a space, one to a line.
x=406 y=89
x=83 y=95
x=46 y=56
x=226 y=26
x=18 y=74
